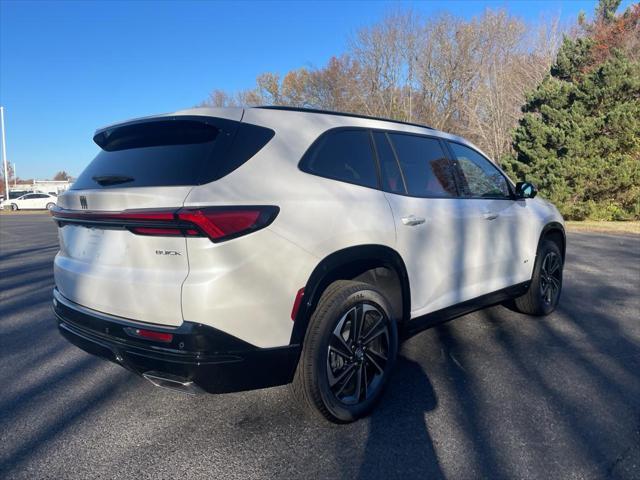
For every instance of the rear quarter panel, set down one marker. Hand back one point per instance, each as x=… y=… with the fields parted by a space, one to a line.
x=247 y=286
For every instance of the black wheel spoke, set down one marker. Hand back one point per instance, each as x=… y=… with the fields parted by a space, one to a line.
x=342 y=376
x=364 y=381
x=379 y=355
x=356 y=323
x=339 y=351
x=372 y=336
x=373 y=361
x=346 y=381
x=365 y=336
x=358 y=383
x=339 y=345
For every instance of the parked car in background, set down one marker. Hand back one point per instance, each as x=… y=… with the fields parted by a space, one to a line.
x=16 y=194
x=31 y=201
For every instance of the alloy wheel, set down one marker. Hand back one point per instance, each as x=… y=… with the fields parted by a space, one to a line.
x=550 y=278
x=358 y=353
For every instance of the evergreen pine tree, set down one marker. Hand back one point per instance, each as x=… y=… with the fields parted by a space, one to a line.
x=579 y=138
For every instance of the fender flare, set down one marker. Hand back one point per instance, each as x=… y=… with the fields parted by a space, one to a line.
x=555 y=227
x=348 y=263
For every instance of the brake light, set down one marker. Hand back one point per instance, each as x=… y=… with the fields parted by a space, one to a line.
x=216 y=223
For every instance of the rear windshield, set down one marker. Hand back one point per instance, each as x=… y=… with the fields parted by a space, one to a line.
x=185 y=151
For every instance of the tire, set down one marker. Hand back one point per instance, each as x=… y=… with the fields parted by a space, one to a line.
x=546 y=283
x=50 y=205
x=342 y=377
x=14 y=207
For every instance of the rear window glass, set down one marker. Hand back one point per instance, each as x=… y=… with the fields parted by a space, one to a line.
x=171 y=153
x=427 y=172
x=343 y=155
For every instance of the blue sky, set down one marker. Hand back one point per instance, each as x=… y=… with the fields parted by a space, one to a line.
x=67 y=68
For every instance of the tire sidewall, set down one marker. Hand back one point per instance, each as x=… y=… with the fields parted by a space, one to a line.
x=14 y=207
x=343 y=412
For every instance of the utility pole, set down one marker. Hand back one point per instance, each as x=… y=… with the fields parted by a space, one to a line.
x=4 y=155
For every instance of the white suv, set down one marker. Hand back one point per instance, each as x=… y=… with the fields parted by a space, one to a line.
x=232 y=249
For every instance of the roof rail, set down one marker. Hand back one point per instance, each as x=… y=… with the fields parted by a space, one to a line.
x=343 y=114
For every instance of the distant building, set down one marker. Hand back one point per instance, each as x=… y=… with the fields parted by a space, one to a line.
x=46 y=186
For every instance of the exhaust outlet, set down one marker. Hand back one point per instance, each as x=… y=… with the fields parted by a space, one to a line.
x=172 y=382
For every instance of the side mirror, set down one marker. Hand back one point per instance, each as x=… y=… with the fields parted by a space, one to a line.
x=526 y=190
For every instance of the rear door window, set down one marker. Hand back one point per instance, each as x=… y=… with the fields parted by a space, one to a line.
x=185 y=151
x=425 y=167
x=344 y=155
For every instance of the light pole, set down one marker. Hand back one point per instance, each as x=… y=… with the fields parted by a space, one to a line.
x=4 y=155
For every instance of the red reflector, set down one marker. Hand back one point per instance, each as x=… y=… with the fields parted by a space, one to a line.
x=151 y=335
x=217 y=224
x=296 y=304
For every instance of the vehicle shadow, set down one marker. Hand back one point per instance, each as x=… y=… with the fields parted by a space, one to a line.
x=399 y=444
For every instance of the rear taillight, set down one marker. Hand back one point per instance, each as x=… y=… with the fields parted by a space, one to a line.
x=220 y=224
x=216 y=223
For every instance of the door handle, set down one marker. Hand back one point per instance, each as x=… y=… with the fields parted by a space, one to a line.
x=412 y=220
x=490 y=215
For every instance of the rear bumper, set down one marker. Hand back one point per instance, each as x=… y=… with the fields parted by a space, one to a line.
x=198 y=354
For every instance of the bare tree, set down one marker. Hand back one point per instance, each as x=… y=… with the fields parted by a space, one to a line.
x=61 y=175
x=468 y=77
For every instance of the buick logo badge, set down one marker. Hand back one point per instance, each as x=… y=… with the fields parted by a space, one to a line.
x=83 y=202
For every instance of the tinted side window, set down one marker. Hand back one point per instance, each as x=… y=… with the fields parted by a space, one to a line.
x=392 y=180
x=344 y=155
x=480 y=178
x=426 y=170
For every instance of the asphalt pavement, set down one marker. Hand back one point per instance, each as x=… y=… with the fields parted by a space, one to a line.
x=493 y=394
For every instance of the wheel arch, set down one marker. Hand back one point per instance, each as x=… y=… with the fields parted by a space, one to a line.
x=555 y=231
x=348 y=264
